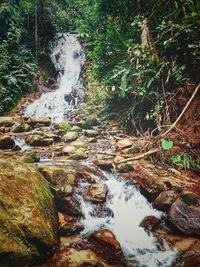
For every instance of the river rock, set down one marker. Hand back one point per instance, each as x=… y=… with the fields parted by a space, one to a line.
x=79 y=154
x=19 y=128
x=101 y=211
x=91 y=133
x=6 y=142
x=69 y=150
x=7 y=121
x=98 y=192
x=164 y=200
x=39 y=140
x=77 y=258
x=69 y=206
x=71 y=228
x=28 y=228
x=70 y=136
x=42 y=121
x=184 y=214
x=58 y=176
x=76 y=129
x=107 y=246
x=124 y=143
x=104 y=164
x=149 y=223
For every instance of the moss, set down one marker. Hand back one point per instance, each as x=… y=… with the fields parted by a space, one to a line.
x=64 y=126
x=190 y=199
x=78 y=156
x=81 y=146
x=27 y=214
x=91 y=121
x=76 y=129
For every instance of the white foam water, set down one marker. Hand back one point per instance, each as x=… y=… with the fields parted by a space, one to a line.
x=129 y=208
x=68 y=59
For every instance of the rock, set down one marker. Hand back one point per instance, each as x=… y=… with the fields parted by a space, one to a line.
x=184 y=214
x=6 y=142
x=7 y=121
x=164 y=200
x=58 y=176
x=124 y=143
x=42 y=121
x=91 y=133
x=31 y=157
x=71 y=228
x=76 y=129
x=39 y=140
x=91 y=121
x=149 y=223
x=29 y=223
x=69 y=150
x=78 y=144
x=77 y=258
x=19 y=128
x=107 y=246
x=70 y=136
x=53 y=136
x=98 y=192
x=106 y=165
x=101 y=212
x=80 y=154
x=70 y=206
x=125 y=167
x=64 y=126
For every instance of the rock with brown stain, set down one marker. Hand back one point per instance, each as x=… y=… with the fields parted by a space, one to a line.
x=98 y=192
x=149 y=223
x=184 y=214
x=107 y=246
x=164 y=200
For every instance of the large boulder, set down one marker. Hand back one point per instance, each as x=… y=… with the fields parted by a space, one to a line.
x=29 y=223
x=6 y=142
x=184 y=214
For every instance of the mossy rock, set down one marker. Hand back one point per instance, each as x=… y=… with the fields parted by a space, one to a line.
x=77 y=156
x=91 y=121
x=64 y=126
x=29 y=223
x=76 y=129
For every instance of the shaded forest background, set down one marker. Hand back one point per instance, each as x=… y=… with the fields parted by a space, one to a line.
x=141 y=54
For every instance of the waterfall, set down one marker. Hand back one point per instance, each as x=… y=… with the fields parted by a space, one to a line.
x=68 y=58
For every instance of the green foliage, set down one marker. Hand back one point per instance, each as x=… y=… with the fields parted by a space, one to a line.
x=138 y=81
x=166 y=144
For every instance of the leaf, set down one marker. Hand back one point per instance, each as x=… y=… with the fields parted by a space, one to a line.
x=176 y=158
x=166 y=144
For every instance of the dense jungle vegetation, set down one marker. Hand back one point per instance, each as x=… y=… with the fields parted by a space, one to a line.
x=139 y=51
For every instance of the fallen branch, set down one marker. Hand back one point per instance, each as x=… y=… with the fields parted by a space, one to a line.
x=183 y=111
x=113 y=154
x=150 y=152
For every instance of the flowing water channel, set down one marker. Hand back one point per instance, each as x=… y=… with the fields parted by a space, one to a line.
x=127 y=204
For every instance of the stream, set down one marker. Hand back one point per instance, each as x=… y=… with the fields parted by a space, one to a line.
x=129 y=207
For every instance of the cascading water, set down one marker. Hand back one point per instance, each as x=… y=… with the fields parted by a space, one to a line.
x=129 y=208
x=68 y=58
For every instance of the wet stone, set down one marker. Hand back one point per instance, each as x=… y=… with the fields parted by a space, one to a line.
x=184 y=214
x=107 y=246
x=69 y=206
x=6 y=142
x=98 y=192
x=91 y=133
x=7 y=121
x=149 y=223
x=164 y=200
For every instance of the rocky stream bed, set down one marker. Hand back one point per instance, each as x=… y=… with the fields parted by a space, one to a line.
x=70 y=196
x=106 y=214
